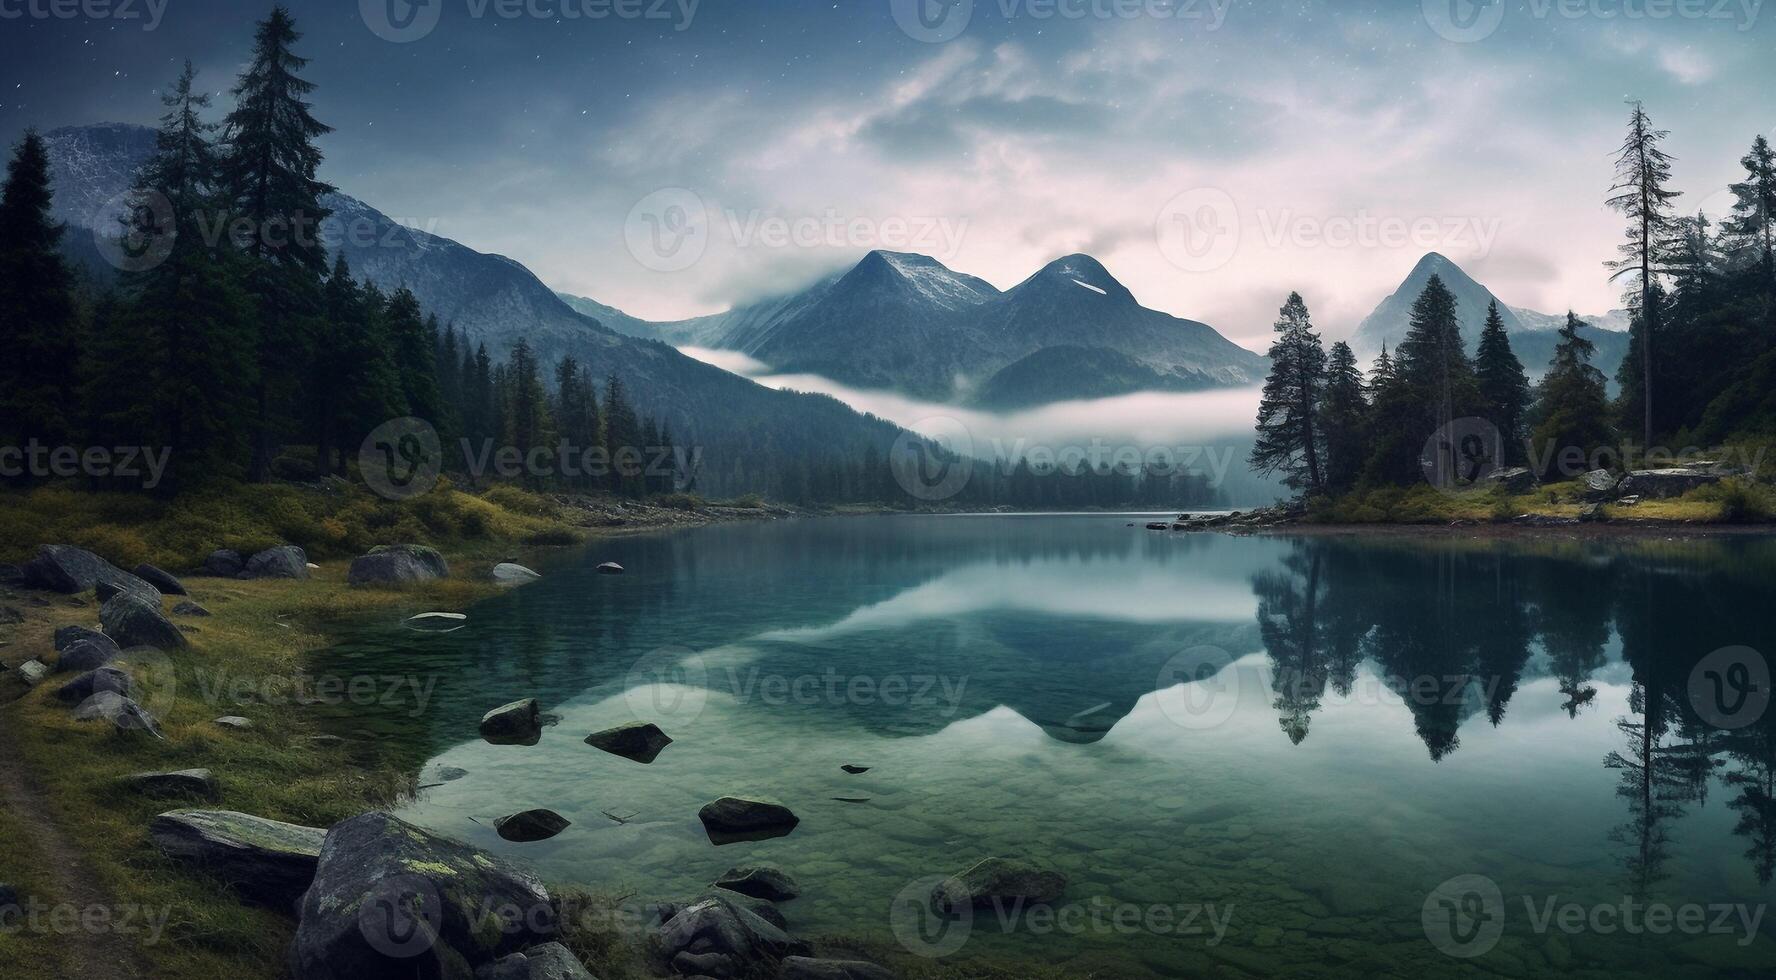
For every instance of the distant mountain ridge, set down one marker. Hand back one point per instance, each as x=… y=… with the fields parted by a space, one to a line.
x=496 y=300
x=1532 y=334
x=906 y=322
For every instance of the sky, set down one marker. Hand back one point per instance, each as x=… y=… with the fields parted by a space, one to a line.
x=674 y=157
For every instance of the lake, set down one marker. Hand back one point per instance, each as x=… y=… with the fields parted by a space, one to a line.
x=1315 y=756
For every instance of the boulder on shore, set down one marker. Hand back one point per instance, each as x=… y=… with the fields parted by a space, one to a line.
x=68 y=634
x=189 y=608
x=999 y=881
x=1667 y=483
x=640 y=741
x=266 y=860
x=398 y=564
x=68 y=570
x=224 y=563
x=125 y=583
x=1600 y=484
x=390 y=899
x=1514 y=480
x=770 y=884
x=113 y=679
x=284 y=561
x=550 y=961
x=84 y=654
x=518 y=723
x=33 y=672
x=185 y=782
x=121 y=713
x=512 y=573
x=805 y=968
x=134 y=621
x=722 y=927
x=160 y=579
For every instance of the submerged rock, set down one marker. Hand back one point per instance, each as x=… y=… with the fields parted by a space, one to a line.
x=119 y=712
x=518 y=723
x=398 y=564
x=999 y=881
x=530 y=826
x=392 y=900
x=855 y=770
x=134 y=621
x=184 y=782
x=284 y=561
x=770 y=884
x=640 y=741
x=806 y=968
x=550 y=961
x=512 y=573
x=732 y=819
x=266 y=860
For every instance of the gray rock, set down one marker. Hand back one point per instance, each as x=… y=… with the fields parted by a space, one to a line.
x=1514 y=480
x=33 y=672
x=550 y=961
x=68 y=570
x=284 y=561
x=1668 y=483
x=266 y=860
x=392 y=900
x=718 y=925
x=1592 y=514
x=518 y=723
x=224 y=563
x=185 y=782
x=703 y=965
x=133 y=621
x=640 y=741
x=531 y=825
x=1000 y=881
x=160 y=579
x=83 y=655
x=235 y=722
x=770 y=884
x=1600 y=484
x=732 y=819
x=512 y=573
x=126 y=583
x=119 y=712
x=610 y=568
x=397 y=565
x=190 y=609
x=68 y=634
x=805 y=968
x=113 y=679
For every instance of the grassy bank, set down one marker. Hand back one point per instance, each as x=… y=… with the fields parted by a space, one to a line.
x=1728 y=502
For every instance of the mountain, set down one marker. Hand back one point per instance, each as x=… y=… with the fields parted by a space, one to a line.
x=909 y=323
x=1533 y=335
x=743 y=428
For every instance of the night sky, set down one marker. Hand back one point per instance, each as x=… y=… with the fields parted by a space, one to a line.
x=1020 y=139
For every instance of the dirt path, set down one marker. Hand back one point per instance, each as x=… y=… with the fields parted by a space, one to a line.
x=101 y=955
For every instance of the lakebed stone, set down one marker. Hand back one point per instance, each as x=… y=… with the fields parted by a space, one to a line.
x=999 y=881
x=550 y=961
x=727 y=928
x=640 y=741
x=266 y=860
x=807 y=968
x=390 y=899
x=731 y=819
x=770 y=884
x=529 y=826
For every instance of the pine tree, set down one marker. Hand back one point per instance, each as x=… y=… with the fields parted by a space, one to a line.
x=1344 y=415
x=1290 y=438
x=38 y=372
x=527 y=414
x=1751 y=229
x=1572 y=406
x=1503 y=386
x=415 y=356
x=1433 y=359
x=269 y=170
x=1643 y=169
x=622 y=440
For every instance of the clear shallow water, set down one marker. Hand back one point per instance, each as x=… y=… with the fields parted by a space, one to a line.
x=1295 y=744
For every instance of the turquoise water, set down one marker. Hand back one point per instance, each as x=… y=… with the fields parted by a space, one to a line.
x=1251 y=756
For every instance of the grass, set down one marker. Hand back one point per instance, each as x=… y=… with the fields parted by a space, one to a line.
x=1733 y=501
